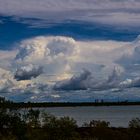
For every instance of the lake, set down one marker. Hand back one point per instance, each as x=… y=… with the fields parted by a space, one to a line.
x=118 y=116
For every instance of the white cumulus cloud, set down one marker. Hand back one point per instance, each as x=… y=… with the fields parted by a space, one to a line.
x=109 y=65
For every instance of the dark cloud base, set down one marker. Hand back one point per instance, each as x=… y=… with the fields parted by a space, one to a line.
x=23 y=74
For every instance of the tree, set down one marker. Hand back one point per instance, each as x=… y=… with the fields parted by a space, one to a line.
x=60 y=128
x=32 y=118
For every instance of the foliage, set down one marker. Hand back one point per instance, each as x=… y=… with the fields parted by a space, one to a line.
x=60 y=128
x=32 y=118
x=134 y=123
x=28 y=124
x=98 y=123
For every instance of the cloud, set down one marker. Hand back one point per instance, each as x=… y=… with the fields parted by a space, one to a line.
x=9 y=86
x=75 y=83
x=6 y=58
x=132 y=55
x=104 y=11
x=32 y=50
x=48 y=48
x=65 y=56
x=109 y=66
x=6 y=80
x=86 y=81
x=130 y=59
x=129 y=83
x=28 y=72
x=55 y=54
x=61 y=57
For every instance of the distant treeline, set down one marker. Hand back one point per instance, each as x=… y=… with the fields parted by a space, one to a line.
x=7 y=103
x=31 y=124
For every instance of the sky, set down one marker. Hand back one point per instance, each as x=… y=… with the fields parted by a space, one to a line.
x=70 y=51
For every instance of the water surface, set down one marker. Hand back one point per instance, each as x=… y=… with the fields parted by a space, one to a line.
x=118 y=116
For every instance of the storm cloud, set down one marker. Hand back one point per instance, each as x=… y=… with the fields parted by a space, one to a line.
x=28 y=72
x=75 y=83
x=86 y=81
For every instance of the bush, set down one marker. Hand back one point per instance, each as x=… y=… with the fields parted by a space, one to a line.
x=32 y=118
x=134 y=123
x=98 y=123
x=60 y=128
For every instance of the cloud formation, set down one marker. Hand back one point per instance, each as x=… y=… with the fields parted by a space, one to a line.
x=109 y=66
x=49 y=48
x=74 y=83
x=129 y=83
x=28 y=72
x=86 y=81
x=130 y=59
x=6 y=80
x=55 y=54
x=104 y=11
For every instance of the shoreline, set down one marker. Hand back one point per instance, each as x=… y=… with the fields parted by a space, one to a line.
x=65 y=104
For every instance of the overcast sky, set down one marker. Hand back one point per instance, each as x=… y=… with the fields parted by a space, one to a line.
x=104 y=11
